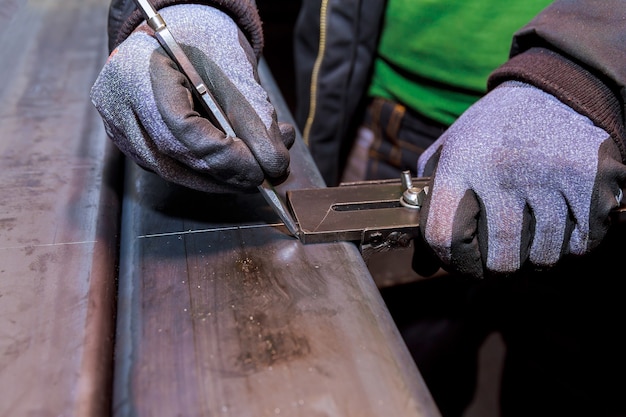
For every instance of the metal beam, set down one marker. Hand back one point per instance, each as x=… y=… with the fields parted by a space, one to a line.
x=221 y=312
x=58 y=212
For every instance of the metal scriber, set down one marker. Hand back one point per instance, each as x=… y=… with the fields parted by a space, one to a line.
x=212 y=108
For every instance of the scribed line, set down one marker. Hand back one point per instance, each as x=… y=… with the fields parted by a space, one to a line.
x=216 y=229
x=42 y=245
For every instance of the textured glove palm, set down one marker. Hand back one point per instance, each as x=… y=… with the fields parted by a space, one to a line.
x=518 y=177
x=148 y=109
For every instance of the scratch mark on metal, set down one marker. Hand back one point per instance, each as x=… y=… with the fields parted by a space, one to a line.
x=41 y=245
x=215 y=229
x=322 y=221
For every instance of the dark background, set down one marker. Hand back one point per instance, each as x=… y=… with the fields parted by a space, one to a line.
x=279 y=17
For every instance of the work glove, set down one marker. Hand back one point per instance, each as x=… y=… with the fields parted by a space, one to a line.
x=520 y=178
x=148 y=108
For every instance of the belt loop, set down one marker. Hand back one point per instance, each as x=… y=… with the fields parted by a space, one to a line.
x=392 y=130
x=395 y=120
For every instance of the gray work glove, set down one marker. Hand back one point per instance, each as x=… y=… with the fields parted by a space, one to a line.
x=518 y=177
x=148 y=109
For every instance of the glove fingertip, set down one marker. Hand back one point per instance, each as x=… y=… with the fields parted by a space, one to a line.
x=280 y=178
x=424 y=262
x=287 y=133
x=427 y=168
x=470 y=245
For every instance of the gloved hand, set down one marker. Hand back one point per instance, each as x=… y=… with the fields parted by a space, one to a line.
x=518 y=177
x=148 y=110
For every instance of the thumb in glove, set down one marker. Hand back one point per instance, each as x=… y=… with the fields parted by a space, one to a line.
x=148 y=109
x=519 y=178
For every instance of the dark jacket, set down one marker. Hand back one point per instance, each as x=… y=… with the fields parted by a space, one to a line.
x=334 y=48
x=574 y=49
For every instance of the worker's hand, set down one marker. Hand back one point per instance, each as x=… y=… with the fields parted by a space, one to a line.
x=519 y=177
x=148 y=108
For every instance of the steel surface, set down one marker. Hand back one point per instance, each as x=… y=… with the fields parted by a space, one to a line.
x=222 y=312
x=58 y=212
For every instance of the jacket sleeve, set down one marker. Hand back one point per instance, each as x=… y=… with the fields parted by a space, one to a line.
x=124 y=18
x=576 y=51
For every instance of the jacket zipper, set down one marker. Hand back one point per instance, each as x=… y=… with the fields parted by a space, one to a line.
x=315 y=74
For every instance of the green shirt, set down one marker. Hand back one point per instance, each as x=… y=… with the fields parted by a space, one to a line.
x=435 y=56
